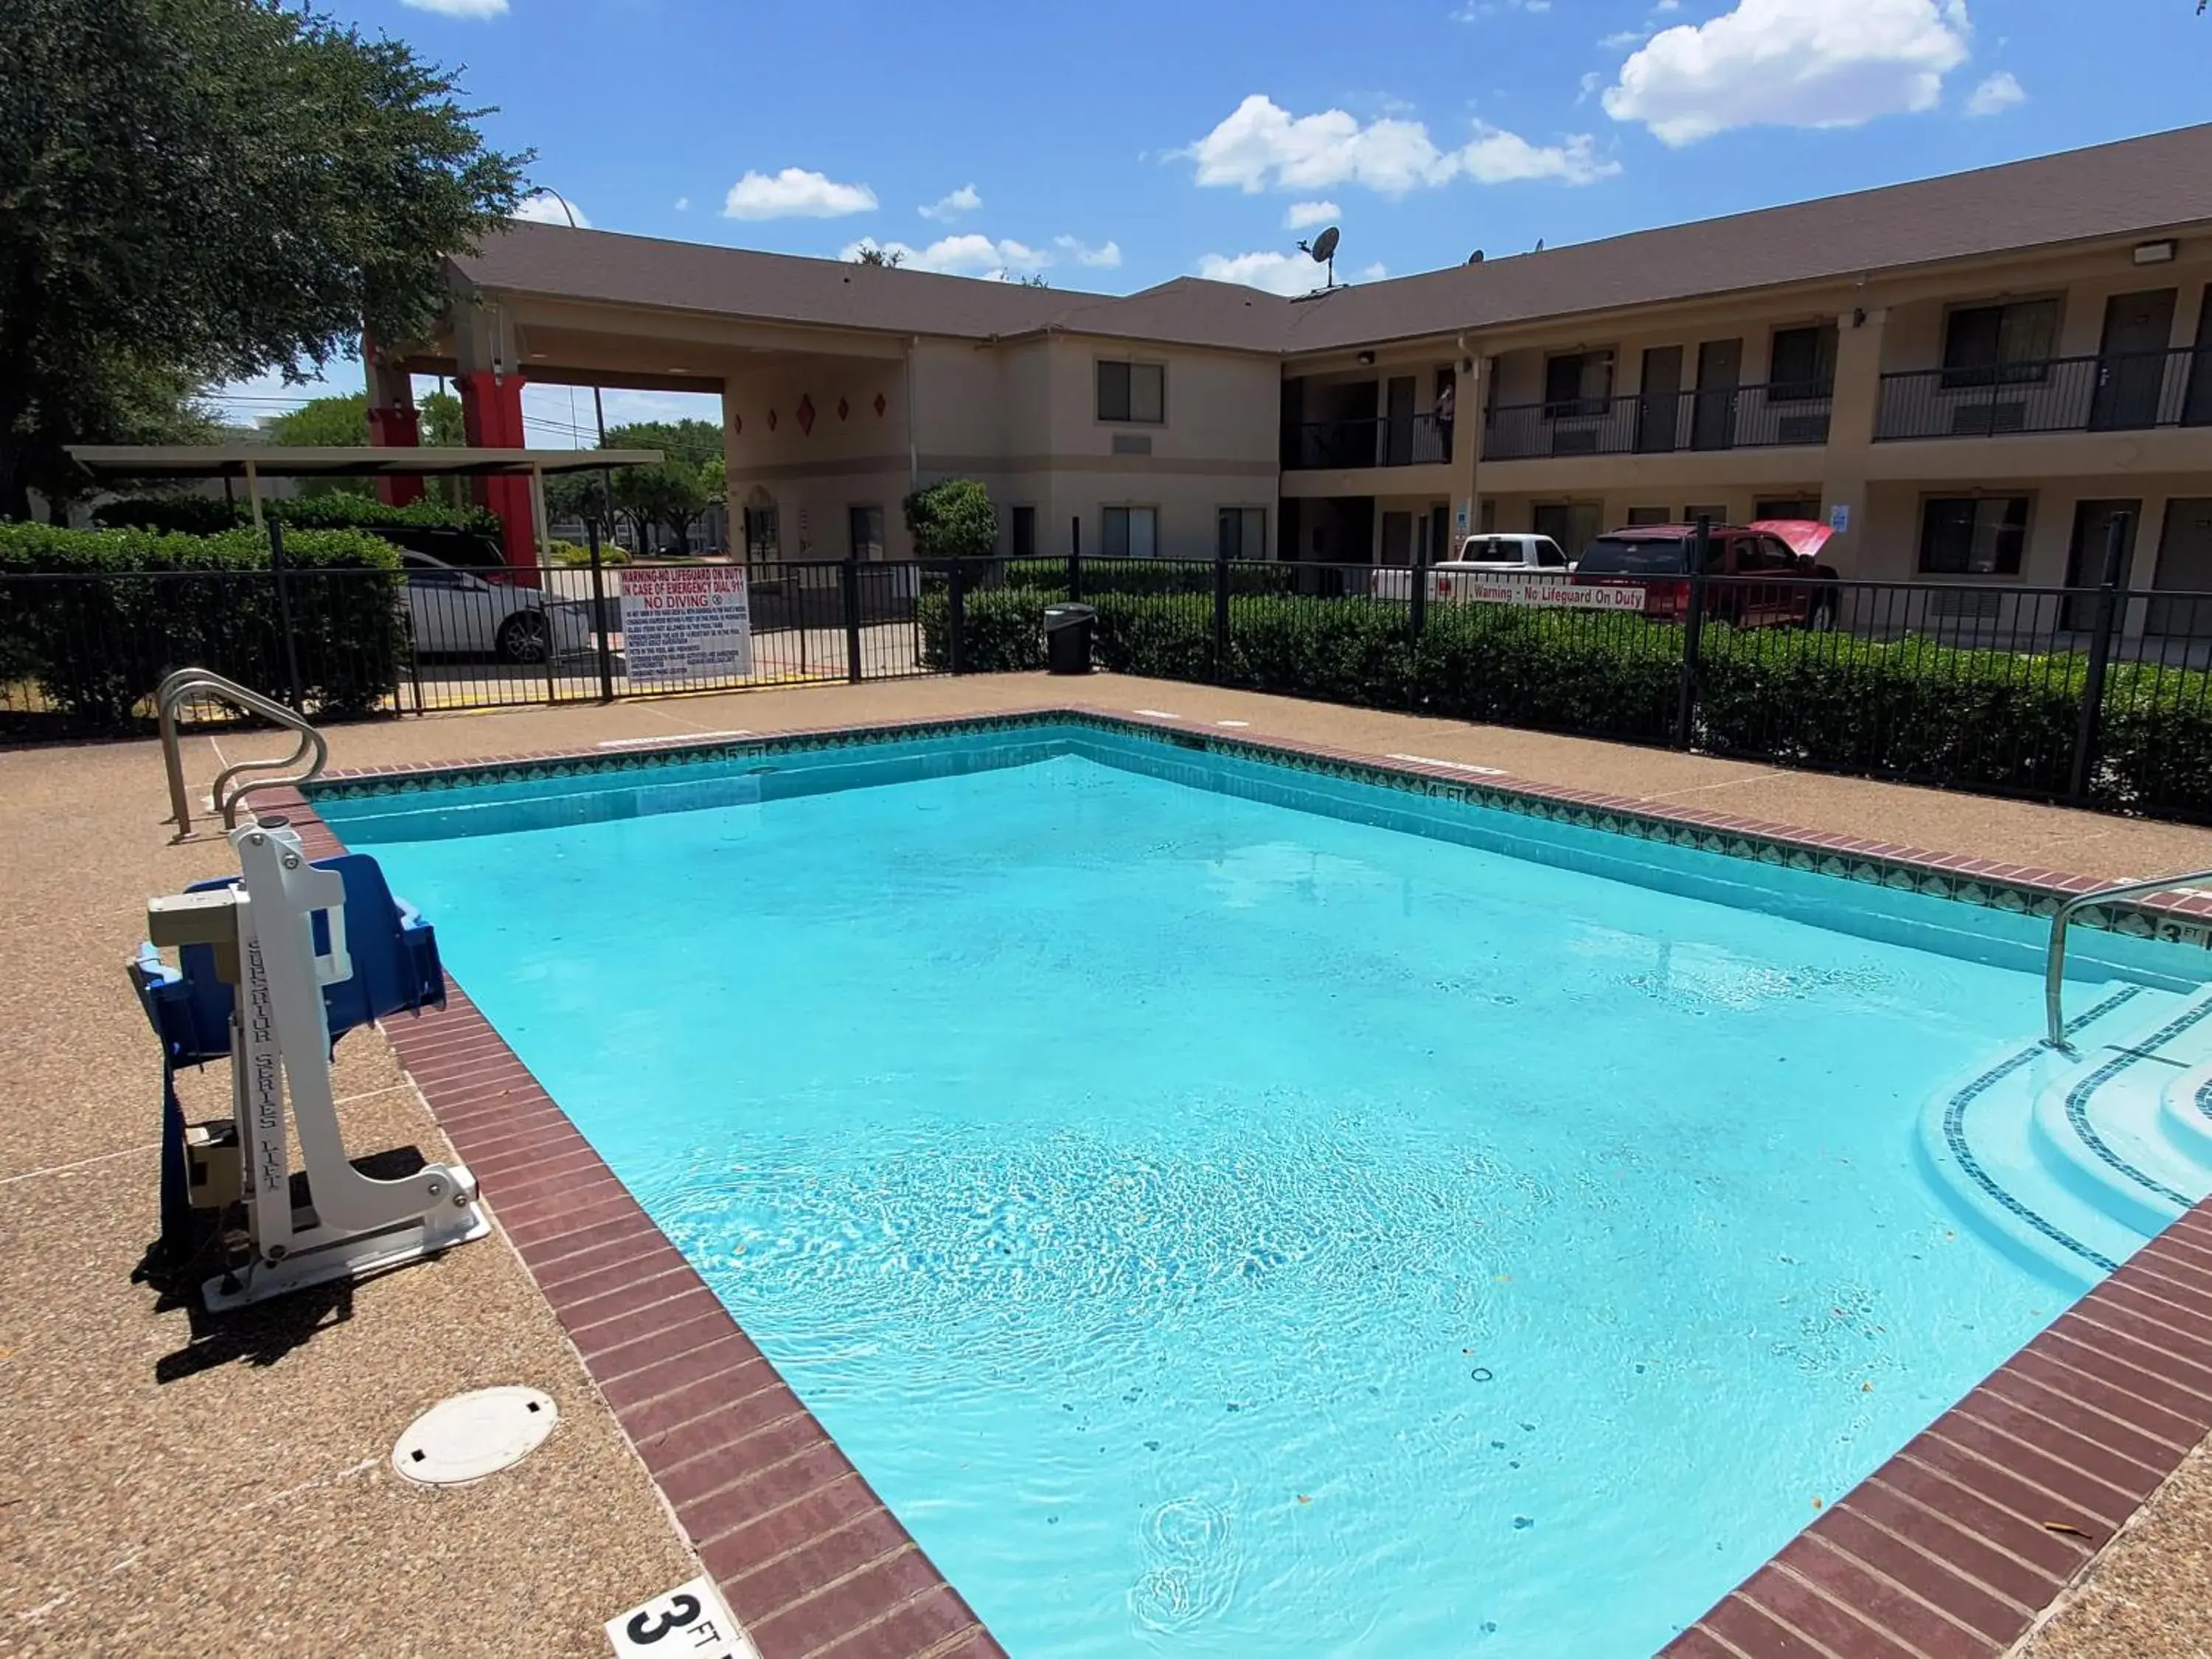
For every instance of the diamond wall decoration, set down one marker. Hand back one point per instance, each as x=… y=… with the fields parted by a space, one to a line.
x=843 y=409
x=771 y=420
x=880 y=405
x=806 y=414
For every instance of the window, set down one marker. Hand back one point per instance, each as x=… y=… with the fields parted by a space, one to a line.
x=1765 y=553
x=1715 y=514
x=1797 y=507
x=1640 y=515
x=1025 y=532
x=1973 y=535
x=1623 y=556
x=1243 y=533
x=1129 y=532
x=1132 y=391
x=865 y=524
x=1487 y=516
x=1983 y=345
x=1804 y=363
x=1577 y=383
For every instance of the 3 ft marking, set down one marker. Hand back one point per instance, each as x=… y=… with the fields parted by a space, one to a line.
x=689 y=1622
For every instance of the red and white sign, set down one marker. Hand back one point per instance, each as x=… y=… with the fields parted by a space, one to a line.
x=686 y=622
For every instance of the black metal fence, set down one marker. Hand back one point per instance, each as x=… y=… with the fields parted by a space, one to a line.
x=2101 y=696
x=81 y=654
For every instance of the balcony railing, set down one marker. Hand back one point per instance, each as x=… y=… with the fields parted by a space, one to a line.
x=1639 y=423
x=2117 y=392
x=1369 y=441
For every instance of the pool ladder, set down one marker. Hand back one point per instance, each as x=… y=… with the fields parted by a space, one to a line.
x=2054 y=962
x=225 y=796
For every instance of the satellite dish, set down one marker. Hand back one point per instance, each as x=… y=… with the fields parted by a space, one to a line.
x=1322 y=250
x=1475 y=257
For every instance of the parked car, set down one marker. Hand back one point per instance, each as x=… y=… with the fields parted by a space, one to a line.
x=1483 y=559
x=459 y=613
x=1770 y=572
x=464 y=550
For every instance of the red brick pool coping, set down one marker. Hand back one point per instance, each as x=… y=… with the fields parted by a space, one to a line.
x=1956 y=1546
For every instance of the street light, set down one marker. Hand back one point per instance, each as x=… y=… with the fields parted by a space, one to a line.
x=599 y=408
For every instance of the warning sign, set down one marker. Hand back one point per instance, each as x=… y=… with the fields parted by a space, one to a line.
x=686 y=622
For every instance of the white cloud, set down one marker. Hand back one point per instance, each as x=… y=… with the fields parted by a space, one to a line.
x=2000 y=92
x=683 y=204
x=947 y=208
x=1303 y=215
x=1620 y=37
x=1260 y=144
x=472 y=8
x=544 y=209
x=1279 y=273
x=1791 y=63
x=1498 y=157
x=795 y=193
x=1289 y=274
x=1103 y=257
x=970 y=254
x=1590 y=82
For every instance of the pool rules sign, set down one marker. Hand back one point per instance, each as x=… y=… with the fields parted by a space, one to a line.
x=686 y=622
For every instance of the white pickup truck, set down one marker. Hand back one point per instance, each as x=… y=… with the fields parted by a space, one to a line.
x=1480 y=559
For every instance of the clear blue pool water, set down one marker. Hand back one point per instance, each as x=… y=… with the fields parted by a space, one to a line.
x=1216 y=1228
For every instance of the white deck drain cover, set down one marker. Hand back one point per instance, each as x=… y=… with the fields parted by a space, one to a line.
x=473 y=1434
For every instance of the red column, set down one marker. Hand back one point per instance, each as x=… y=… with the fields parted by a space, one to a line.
x=491 y=418
x=397 y=429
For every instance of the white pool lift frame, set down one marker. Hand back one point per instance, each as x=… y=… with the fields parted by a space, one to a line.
x=262 y=931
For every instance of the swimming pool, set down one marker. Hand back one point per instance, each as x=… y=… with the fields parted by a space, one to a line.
x=1218 y=1207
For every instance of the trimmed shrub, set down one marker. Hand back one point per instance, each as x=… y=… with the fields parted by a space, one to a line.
x=1139 y=576
x=952 y=520
x=1003 y=631
x=568 y=553
x=202 y=515
x=98 y=617
x=183 y=515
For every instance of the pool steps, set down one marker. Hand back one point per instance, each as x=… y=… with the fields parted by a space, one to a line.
x=2072 y=1162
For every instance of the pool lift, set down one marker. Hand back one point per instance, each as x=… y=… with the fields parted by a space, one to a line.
x=275 y=965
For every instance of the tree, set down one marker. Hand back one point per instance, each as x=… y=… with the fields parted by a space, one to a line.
x=339 y=422
x=581 y=496
x=676 y=491
x=953 y=519
x=214 y=188
x=128 y=402
x=889 y=258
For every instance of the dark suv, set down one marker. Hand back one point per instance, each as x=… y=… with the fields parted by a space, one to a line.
x=1756 y=580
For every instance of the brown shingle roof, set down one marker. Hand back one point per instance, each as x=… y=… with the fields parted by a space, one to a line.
x=2136 y=187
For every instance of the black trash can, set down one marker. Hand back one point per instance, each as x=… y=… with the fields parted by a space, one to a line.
x=1067 y=638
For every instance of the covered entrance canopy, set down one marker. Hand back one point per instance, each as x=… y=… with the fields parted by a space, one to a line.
x=108 y=463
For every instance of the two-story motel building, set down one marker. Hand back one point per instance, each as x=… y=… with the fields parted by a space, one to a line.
x=1965 y=375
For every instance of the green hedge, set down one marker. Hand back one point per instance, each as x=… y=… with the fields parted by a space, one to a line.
x=95 y=618
x=203 y=515
x=1141 y=576
x=1910 y=709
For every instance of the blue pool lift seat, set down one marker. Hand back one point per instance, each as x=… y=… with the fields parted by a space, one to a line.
x=394 y=953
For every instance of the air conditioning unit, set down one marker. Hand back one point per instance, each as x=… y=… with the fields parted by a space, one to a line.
x=1133 y=443
x=1802 y=430
x=1574 y=441
x=1985 y=420
x=1967 y=603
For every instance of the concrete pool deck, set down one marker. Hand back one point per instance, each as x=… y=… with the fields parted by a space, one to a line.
x=224 y=1483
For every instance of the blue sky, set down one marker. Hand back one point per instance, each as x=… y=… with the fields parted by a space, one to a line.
x=1112 y=147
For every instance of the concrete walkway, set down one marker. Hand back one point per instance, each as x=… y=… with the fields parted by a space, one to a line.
x=182 y=1486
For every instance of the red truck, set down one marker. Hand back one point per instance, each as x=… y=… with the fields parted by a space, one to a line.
x=1767 y=574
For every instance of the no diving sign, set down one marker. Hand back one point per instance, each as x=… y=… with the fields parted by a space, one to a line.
x=686 y=622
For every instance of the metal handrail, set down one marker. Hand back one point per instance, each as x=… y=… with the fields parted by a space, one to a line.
x=2054 y=967
x=174 y=689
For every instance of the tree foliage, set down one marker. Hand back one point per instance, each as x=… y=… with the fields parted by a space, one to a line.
x=952 y=520
x=676 y=491
x=210 y=189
